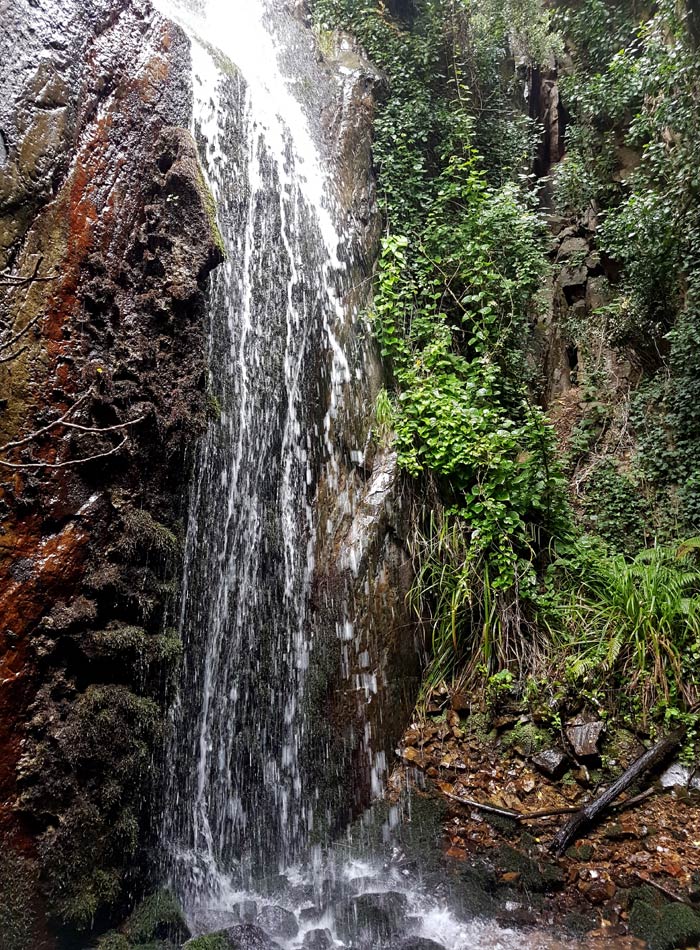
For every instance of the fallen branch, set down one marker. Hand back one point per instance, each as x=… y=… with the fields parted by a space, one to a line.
x=470 y=803
x=667 y=892
x=587 y=815
x=508 y=813
x=631 y=802
x=549 y=812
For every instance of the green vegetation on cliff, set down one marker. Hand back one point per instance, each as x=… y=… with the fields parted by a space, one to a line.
x=457 y=285
x=504 y=570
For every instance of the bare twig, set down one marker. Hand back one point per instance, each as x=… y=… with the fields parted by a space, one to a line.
x=114 y=428
x=63 y=421
x=470 y=803
x=631 y=802
x=7 y=280
x=549 y=812
x=13 y=356
x=509 y=813
x=15 y=280
x=52 y=425
x=663 y=890
x=70 y=462
x=20 y=333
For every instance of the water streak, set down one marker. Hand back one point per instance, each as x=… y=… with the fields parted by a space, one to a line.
x=239 y=802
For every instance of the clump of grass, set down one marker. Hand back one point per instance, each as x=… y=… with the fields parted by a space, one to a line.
x=477 y=628
x=633 y=623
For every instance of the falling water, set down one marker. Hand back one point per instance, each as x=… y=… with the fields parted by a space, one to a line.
x=244 y=800
x=239 y=801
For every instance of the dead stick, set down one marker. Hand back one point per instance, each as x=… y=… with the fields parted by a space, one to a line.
x=663 y=890
x=590 y=812
x=507 y=812
x=631 y=802
x=470 y=803
x=549 y=812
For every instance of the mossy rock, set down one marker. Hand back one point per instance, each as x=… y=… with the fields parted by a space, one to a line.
x=527 y=739
x=158 y=917
x=479 y=726
x=18 y=881
x=209 y=942
x=670 y=927
x=538 y=878
x=113 y=941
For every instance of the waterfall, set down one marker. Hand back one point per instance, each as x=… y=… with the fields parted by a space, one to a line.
x=238 y=799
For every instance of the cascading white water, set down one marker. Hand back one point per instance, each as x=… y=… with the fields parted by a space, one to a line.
x=244 y=799
x=238 y=800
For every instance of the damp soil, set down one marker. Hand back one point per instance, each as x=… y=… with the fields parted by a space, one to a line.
x=632 y=881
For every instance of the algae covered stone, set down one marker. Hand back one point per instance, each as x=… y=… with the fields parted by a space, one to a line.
x=158 y=917
x=669 y=927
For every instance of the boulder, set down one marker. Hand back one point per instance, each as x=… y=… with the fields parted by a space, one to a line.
x=419 y=943
x=584 y=736
x=676 y=776
x=249 y=937
x=277 y=921
x=319 y=939
x=553 y=762
x=573 y=247
x=373 y=918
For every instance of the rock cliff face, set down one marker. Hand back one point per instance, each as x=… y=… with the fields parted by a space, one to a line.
x=107 y=234
x=106 y=238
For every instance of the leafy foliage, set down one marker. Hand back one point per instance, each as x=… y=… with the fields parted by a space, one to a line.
x=636 y=619
x=635 y=93
x=457 y=286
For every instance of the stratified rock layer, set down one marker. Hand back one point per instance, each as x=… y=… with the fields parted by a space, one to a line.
x=102 y=198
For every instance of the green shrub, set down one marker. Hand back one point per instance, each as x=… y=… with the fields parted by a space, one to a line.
x=633 y=624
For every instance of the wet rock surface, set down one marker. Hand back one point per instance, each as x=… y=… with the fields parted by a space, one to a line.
x=278 y=922
x=371 y=918
x=419 y=943
x=101 y=199
x=249 y=937
x=319 y=939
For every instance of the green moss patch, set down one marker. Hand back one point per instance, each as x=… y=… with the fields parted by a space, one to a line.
x=669 y=927
x=158 y=917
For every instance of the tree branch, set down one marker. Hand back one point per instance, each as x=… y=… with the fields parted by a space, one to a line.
x=63 y=421
x=52 y=425
x=70 y=462
x=590 y=812
x=20 y=333
x=14 y=280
